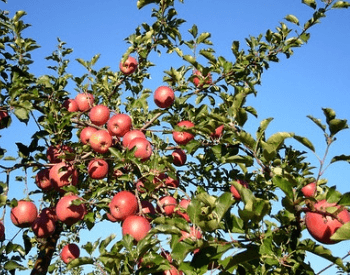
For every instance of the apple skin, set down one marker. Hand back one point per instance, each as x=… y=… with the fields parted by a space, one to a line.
x=43 y=226
x=309 y=190
x=63 y=174
x=168 y=203
x=119 y=124
x=55 y=153
x=143 y=148
x=71 y=105
x=2 y=231
x=182 y=138
x=147 y=210
x=69 y=213
x=129 y=136
x=172 y=271
x=234 y=191
x=42 y=180
x=99 y=114
x=86 y=133
x=24 y=214
x=170 y=182
x=136 y=226
x=4 y=117
x=198 y=77
x=322 y=227
x=98 y=168
x=179 y=157
x=85 y=101
x=183 y=204
x=123 y=204
x=129 y=66
x=100 y=141
x=218 y=132
x=70 y=252
x=164 y=97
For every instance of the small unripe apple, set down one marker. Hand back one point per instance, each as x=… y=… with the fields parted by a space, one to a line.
x=86 y=133
x=99 y=114
x=309 y=190
x=24 y=214
x=129 y=66
x=164 y=97
x=71 y=105
x=85 y=101
x=100 y=141
x=123 y=204
x=136 y=226
x=98 y=168
x=70 y=252
x=183 y=137
x=179 y=157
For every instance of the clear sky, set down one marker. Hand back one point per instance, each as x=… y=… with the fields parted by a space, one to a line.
x=316 y=76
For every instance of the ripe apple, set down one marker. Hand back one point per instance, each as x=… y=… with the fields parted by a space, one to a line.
x=159 y=178
x=199 y=80
x=147 y=210
x=42 y=180
x=43 y=226
x=182 y=137
x=164 y=97
x=86 y=133
x=24 y=214
x=170 y=182
x=50 y=212
x=322 y=226
x=100 y=141
x=129 y=66
x=71 y=105
x=218 y=132
x=168 y=203
x=99 y=114
x=194 y=234
x=85 y=101
x=70 y=252
x=309 y=190
x=129 y=136
x=143 y=148
x=58 y=153
x=69 y=213
x=136 y=226
x=234 y=191
x=140 y=186
x=98 y=168
x=179 y=157
x=183 y=204
x=63 y=174
x=2 y=231
x=4 y=119
x=172 y=271
x=111 y=218
x=119 y=124
x=123 y=204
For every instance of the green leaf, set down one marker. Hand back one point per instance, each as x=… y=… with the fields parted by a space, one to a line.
x=80 y=261
x=190 y=59
x=341 y=5
x=337 y=125
x=306 y=142
x=292 y=18
x=142 y=3
x=249 y=254
x=246 y=139
x=222 y=204
x=284 y=185
x=22 y=114
x=12 y=265
x=310 y=3
x=105 y=243
x=341 y=158
x=202 y=37
x=262 y=128
x=318 y=123
x=342 y=233
x=194 y=31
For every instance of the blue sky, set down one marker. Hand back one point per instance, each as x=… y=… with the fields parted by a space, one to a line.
x=316 y=76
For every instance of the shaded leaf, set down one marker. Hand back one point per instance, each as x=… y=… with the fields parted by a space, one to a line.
x=306 y=142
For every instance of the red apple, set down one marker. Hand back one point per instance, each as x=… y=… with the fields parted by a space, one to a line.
x=218 y=132
x=172 y=271
x=183 y=204
x=136 y=226
x=129 y=66
x=58 y=153
x=86 y=133
x=69 y=213
x=24 y=214
x=182 y=137
x=234 y=191
x=179 y=157
x=199 y=80
x=164 y=97
x=194 y=234
x=99 y=114
x=98 y=168
x=2 y=231
x=111 y=218
x=147 y=209
x=123 y=204
x=309 y=190
x=140 y=186
x=42 y=180
x=71 y=105
x=170 y=182
x=100 y=141
x=43 y=226
x=143 y=148
x=322 y=226
x=85 y=101
x=63 y=174
x=50 y=212
x=4 y=119
x=70 y=252
x=168 y=203
x=129 y=136
x=119 y=124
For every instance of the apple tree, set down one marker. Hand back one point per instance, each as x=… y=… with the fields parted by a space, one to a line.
x=193 y=191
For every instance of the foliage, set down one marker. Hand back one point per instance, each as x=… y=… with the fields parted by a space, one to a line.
x=258 y=235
